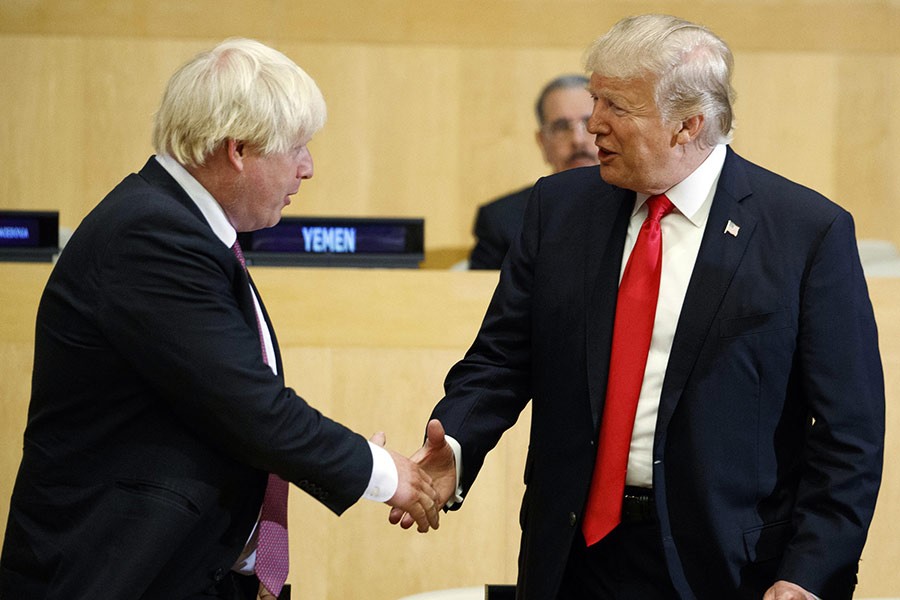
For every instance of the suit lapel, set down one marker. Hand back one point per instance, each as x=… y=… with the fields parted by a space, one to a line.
x=154 y=173
x=719 y=256
x=608 y=223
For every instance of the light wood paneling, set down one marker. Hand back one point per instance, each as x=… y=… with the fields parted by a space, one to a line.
x=878 y=574
x=786 y=101
x=430 y=114
x=370 y=348
x=867 y=25
x=430 y=102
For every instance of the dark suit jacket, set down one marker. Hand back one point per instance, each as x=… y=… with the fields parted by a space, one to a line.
x=769 y=437
x=497 y=224
x=153 y=419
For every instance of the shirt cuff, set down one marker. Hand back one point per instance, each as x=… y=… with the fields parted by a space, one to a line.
x=457 y=456
x=383 y=483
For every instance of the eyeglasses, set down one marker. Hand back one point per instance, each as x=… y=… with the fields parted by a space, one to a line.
x=565 y=127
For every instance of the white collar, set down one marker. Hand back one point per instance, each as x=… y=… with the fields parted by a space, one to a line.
x=693 y=191
x=208 y=205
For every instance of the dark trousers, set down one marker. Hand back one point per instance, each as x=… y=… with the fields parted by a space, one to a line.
x=243 y=587
x=628 y=564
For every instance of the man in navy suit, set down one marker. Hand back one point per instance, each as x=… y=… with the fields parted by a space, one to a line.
x=755 y=453
x=159 y=407
x=562 y=111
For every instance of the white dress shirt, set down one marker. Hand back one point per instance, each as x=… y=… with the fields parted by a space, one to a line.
x=682 y=231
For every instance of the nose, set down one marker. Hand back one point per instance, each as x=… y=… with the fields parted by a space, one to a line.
x=597 y=123
x=305 y=164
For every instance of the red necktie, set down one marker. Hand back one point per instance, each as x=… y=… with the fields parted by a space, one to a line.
x=635 y=312
x=272 y=560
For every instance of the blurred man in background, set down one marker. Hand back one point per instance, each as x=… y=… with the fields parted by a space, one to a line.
x=563 y=108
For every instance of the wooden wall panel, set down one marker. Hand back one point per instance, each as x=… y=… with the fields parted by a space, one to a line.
x=867 y=142
x=42 y=121
x=786 y=106
x=431 y=102
x=878 y=576
x=393 y=390
x=390 y=146
x=866 y=25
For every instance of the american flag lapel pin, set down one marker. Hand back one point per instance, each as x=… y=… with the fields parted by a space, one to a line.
x=731 y=228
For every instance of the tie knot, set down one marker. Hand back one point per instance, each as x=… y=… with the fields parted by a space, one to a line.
x=658 y=206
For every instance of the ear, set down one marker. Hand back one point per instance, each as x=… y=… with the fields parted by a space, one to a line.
x=235 y=151
x=689 y=130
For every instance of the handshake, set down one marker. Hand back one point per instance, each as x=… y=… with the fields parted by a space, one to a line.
x=426 y=480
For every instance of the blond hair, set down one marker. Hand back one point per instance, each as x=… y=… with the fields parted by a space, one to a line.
x=241 y=90
x=689 y=65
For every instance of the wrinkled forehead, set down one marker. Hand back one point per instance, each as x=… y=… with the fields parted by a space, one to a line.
x=632 y=89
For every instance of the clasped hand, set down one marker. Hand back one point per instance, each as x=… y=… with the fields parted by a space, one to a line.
x=430 y=476
x=422 y=481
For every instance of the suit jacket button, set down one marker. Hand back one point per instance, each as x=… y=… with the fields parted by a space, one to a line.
x=572 y=519
x=218 y=574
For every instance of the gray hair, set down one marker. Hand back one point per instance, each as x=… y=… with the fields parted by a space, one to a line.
x=561 y=82
x=691 y=67
x=241 y=90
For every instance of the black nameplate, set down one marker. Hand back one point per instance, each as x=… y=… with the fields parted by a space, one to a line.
x=337 y=242
x=29 y=235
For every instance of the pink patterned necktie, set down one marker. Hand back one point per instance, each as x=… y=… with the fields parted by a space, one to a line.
x=632 y=329
x=272 y=561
